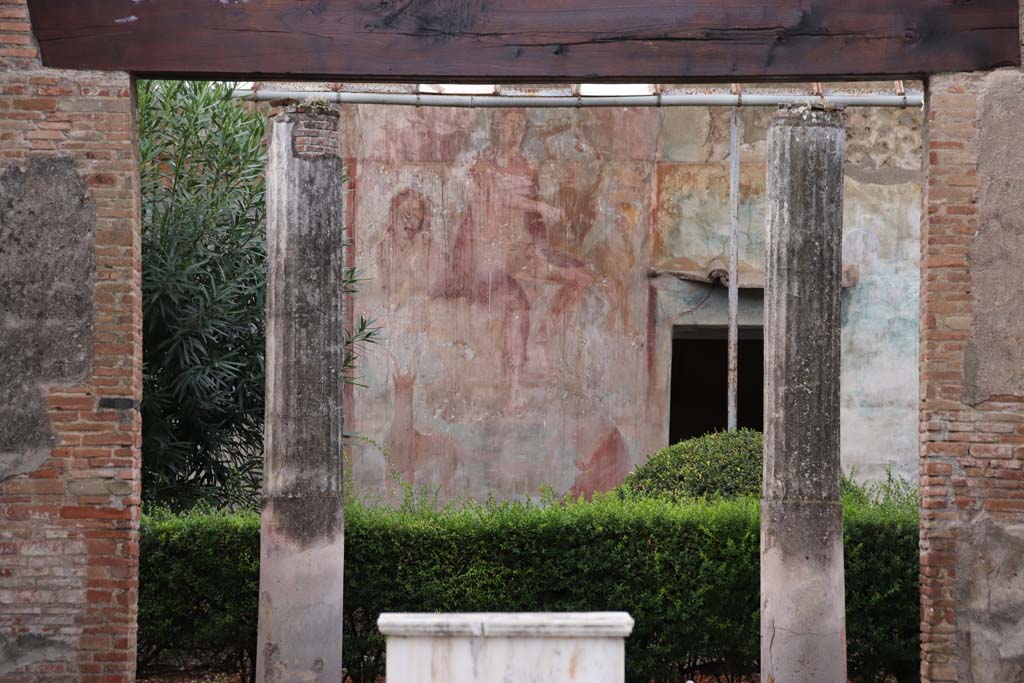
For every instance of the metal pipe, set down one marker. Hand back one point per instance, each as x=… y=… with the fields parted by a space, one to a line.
x=910 y=99
x=734 y=264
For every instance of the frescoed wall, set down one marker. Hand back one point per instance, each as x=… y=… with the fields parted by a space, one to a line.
x=523 y=264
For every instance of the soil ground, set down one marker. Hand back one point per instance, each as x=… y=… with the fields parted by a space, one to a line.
x=189 y=677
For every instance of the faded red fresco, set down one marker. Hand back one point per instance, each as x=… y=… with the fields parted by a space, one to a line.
x=604 y=468
x=419 y=458
x=490 y=256
x=506 y=257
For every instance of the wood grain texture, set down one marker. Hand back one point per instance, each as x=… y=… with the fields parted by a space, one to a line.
x=528 y=40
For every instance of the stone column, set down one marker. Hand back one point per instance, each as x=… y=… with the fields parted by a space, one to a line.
x=302 y=529
x=803 y=615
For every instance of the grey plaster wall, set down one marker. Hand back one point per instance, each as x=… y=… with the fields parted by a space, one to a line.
x=881 y=261
x=47 y=273
x=990 y=544
x=990 y=608
x=880 y=302
x=994 y=360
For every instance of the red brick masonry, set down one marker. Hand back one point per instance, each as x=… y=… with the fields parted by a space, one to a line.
x=971 y=455
x=69 y=531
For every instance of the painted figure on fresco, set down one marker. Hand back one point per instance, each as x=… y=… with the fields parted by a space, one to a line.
x=502 y=241
x=409 y=217
x=419 y=457
x=860 y=252
x=406 y=250
x=510 y=261
x=604 y=467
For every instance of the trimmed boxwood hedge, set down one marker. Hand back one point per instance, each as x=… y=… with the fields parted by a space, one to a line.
x=725 y=464
x=687 y=573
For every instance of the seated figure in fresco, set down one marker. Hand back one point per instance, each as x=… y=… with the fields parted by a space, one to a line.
x=502 y=240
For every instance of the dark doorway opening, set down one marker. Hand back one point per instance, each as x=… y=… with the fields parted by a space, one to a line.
x=700 y=381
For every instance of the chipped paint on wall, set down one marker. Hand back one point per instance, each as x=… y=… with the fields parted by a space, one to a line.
x=506 y=256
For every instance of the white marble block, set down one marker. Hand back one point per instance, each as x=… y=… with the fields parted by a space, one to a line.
x=541 y=647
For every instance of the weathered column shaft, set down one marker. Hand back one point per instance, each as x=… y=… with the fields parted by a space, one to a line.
x=302 y=529
x=803 y=630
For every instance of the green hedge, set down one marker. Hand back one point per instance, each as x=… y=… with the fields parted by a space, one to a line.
x=688 y=573
x=723 y=464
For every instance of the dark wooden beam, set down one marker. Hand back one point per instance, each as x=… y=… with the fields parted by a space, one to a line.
x=528 y=40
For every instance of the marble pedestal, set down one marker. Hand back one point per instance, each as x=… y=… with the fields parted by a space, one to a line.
x=543 y=647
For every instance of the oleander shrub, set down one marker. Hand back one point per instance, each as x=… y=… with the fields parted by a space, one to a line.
x=686 y=572
x=203 y=294
x=722 y=464
x=204 y=271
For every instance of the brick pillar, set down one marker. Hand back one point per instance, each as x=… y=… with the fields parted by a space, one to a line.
x=303 y=528
x=70 y=378
x=972 y=380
